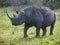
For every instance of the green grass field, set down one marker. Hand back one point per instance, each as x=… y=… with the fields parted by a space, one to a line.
x=13 y=35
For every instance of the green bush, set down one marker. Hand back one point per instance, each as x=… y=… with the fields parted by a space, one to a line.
x=3 y=3
x=49 y=3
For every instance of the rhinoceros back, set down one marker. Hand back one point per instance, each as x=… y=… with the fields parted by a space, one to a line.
x=48 y=15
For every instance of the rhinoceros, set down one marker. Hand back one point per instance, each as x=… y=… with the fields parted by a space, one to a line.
x=40 y=18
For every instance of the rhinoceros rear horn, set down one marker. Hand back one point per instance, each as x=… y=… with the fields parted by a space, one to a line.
x=8 y=15
x=14 y=15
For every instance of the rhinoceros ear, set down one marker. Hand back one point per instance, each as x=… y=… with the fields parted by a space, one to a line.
x=23 y=13
x=18 y=12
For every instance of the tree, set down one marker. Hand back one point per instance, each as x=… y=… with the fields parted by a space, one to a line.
x=38 y=3
x=49 y=3
x=3 y=3
x=25 y=1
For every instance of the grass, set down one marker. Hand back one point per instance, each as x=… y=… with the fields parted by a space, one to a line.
x=13 y=35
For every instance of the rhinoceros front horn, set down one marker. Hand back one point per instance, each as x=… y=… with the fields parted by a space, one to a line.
x=8 y=15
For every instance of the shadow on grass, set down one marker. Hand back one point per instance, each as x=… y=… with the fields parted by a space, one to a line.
x=28 y=39
x=21 y=40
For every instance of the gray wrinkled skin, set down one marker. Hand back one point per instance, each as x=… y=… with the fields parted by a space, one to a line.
x=40 y=18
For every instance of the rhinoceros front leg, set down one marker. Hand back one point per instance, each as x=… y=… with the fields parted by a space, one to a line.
x=44 y=31
x=37 y=32
x=25 y=30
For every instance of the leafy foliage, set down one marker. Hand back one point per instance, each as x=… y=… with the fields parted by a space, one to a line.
x=52 y=3
x=49 y=3
x=3 y=3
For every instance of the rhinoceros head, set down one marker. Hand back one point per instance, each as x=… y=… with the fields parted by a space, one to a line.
x=17 y=20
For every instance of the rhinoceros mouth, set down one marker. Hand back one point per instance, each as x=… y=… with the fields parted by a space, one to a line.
x=15 y=24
